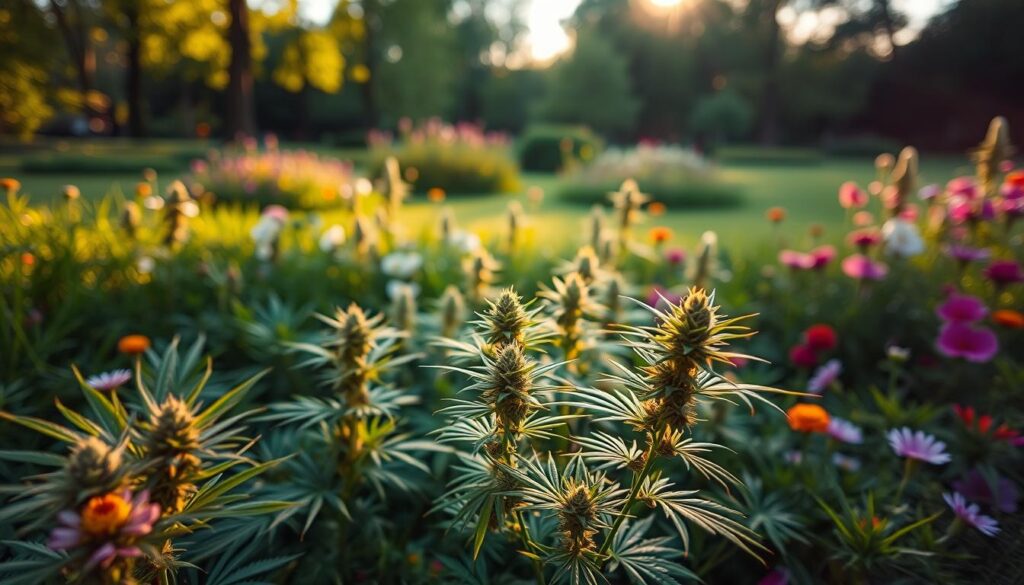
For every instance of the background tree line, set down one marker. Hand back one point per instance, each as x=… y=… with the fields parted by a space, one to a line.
x=715 y=70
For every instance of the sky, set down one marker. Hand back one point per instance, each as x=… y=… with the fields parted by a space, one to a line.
x=546 y=39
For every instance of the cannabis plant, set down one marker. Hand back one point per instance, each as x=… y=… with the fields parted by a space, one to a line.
x=137 y=475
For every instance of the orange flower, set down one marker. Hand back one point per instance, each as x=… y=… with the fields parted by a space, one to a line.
x=105 y=515
x=10 y=185
x=436 y=194
x=143 y=190
x=1009 y=318
x=775 y=214
x=133 y=344
x=1016 y=179
x=808 y=418
x=660 y=234
x=27 y=259
x=656 y=208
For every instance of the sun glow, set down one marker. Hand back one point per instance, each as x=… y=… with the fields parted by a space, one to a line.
x=666 y=3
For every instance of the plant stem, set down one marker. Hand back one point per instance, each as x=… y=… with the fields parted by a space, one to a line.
x=638 y=480
x=524 y=532
x=908 y=469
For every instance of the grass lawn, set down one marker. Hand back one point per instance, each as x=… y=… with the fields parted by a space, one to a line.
x=806 y=191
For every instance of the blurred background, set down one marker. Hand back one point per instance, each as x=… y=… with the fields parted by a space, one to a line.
x=845 y=75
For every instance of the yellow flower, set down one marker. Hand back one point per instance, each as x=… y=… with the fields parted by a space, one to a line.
x=105 y=515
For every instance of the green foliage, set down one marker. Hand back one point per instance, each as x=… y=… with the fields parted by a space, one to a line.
x=724 y=116
x=592 y=88
x=550 y=149
x=458 y=169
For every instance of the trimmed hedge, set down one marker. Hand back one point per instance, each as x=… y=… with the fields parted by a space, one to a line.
x=697 y=194
x=458 y=169
x=543 y=149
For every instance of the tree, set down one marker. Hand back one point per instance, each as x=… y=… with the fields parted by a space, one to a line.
x=24 y=69
x=592 y=87
x=241 y=114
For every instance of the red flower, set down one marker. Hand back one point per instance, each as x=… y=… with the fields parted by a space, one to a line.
x=803 y=356
x=821 y=337
x=982 y=424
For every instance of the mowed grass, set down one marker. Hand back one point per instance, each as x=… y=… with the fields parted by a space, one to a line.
x=806 y=191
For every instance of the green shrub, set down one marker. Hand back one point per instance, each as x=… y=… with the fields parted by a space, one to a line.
x=545 y=149
x=459 y=169
x=760 y=155
x=103 y=163
x=669 y=174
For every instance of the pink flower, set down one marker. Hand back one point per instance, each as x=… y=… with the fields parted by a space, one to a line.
x=863 y=268
x=825 y=376
x=999 y=492
x=975 y=344
x=963 y=209
x=863 y=218
x=795 y=260
x=918 y=446
x=660 y=297
x=970 y=514
x=965 y=187
x=851 y=196
x=1004 y=272
x=803 y=356
x=845 y=431
x=962 y=309
x=110 y=380
x=277 y=212
x=778 y=576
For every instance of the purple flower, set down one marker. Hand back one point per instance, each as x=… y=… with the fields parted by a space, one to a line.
x=778 y=576
x=965 y=254
x=845 y=431
x=918 y=446
x=861 y=267
x=979 y=489
x=845 y=462
x=970 y=514
x=1004 y=272
x=824 y=376
x=962 y=309
x=110 y=380
x=929 y=192
x=975 y=344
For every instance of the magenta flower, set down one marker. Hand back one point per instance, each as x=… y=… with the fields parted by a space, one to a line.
x=845 y=431
x=966 y=254
x=822 y=256
x=861 y=267
x=110 y=380
x=970 y=514
x=999 y=492
x=675 y=256
x=851 y=196
x=824 y=376
x=778 y=576
x=660 y=297
x=975 y=344
x=918 y=446
x=963 y=209
x=1004 y=272
x=864 y=238
x=962 y=309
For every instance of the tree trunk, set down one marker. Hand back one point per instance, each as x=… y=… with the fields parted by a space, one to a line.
x=136 y=121
x=369 y=91
x=769 y=133
x=241 y=110
x=80 y=49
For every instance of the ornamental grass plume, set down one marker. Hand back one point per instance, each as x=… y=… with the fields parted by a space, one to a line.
x=707 y=260
x=479 y=269
x=989 y=156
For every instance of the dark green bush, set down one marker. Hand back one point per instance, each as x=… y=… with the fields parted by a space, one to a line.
x=702 y=193
x=105 y=163
x=862 y=146
x=544 y=149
